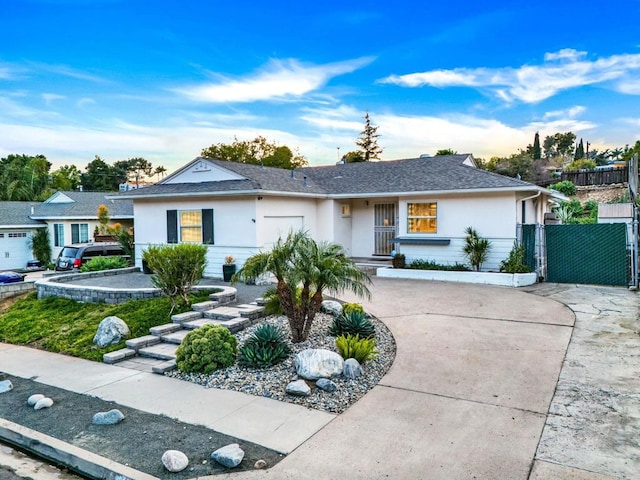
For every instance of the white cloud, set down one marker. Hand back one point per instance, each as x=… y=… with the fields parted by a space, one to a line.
x=562 y=70
x=49 y=98
x=66 y=71
x=569 y=112
x=279 y=79
x=85 y=101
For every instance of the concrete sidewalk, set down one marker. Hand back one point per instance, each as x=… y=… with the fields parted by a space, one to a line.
x=277 y=425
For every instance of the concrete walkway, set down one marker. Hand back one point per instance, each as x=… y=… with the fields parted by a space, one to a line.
x=467 y=397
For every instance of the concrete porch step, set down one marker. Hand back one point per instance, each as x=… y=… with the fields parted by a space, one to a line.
x=142 y=342
x=175 y=337
x=165 y=329
x=185 y=317
x=222 y=313
x=161 y=351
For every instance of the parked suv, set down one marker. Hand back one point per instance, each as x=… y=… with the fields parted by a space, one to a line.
x=73 y=256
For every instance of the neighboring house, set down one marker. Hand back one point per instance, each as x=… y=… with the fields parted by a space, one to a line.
x=72 y=216
x=418 y=206
x=16 y=229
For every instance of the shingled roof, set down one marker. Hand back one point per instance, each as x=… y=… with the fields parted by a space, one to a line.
x=16 y=214
x=82 y=205
x=417 y=175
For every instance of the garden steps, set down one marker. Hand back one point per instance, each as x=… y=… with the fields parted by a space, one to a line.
x=156 y=352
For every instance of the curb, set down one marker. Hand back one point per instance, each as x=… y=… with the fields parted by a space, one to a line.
x=76 y=459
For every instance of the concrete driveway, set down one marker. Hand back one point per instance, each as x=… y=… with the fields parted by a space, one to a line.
x=467 y=397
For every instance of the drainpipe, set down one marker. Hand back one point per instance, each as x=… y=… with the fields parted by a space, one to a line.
x=532 y=196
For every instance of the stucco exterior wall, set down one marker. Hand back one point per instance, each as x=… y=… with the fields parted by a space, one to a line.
x=276 y=215
x=234 y=227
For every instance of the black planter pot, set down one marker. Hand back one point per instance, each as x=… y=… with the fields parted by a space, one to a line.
x=228 y=270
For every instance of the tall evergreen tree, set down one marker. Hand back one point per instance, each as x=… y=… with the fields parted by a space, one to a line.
x=368 y=141
x=579 y=151
x=537 y=153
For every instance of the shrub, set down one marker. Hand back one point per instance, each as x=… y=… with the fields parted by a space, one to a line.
x=581 y=164
x=177 y=268
x=265 y=347
x=475 y=248
x=352 y=323
x=420 y=264
x=565 y=187
x=206 y=349
x=515 y=262
x=362 y=349
x=353 y=307
x=126 y=240
x=104 y=263
x=41 y=246
x=398 y=260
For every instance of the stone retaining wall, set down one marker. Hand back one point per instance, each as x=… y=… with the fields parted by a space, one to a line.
x=57 y=286
x=13 y=289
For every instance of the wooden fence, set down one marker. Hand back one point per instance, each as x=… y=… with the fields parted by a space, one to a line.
x=597 y=176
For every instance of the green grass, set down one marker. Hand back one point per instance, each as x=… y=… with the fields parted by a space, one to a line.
x=66 y=326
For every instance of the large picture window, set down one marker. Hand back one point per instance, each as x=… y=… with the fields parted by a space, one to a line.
x=79 y=232
x=422 y=217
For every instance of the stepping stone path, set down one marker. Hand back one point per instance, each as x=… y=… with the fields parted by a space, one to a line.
x=156 y=352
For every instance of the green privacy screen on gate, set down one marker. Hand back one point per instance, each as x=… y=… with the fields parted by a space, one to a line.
x=593 y=254
x=529 y=243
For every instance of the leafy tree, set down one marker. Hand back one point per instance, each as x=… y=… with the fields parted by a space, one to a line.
x=258 y=151
x=24 y=177
x=98 y=176
x=66 y=177
x=353 y=157
x=304 y=270
x=536 y=153
x=629 y=152
x=368 y=141
x=549 y=146
x=132 y=169
x=446 y=151
x=517 y=164
x=564 y=143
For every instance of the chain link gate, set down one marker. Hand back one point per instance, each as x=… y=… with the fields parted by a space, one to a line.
x=597 y=254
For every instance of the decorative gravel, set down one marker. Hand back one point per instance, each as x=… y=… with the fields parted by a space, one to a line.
x=271 y=382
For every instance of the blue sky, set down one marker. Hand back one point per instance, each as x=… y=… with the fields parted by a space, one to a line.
x=163 y=79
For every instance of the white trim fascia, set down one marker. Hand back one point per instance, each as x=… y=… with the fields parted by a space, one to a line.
x=81 y=217
x=251 y=193
x=277 y=193
x=6 y=227
x=533 y=188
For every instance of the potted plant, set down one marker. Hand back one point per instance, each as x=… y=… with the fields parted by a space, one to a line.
x=229 y=268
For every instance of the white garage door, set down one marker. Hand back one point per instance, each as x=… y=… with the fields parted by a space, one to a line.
x=276 y=227
x=14 y=250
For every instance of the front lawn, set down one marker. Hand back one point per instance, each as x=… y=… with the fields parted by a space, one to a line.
x=66 y=326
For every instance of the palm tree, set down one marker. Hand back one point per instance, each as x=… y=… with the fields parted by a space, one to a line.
x=160 y=170
x=304 y=270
